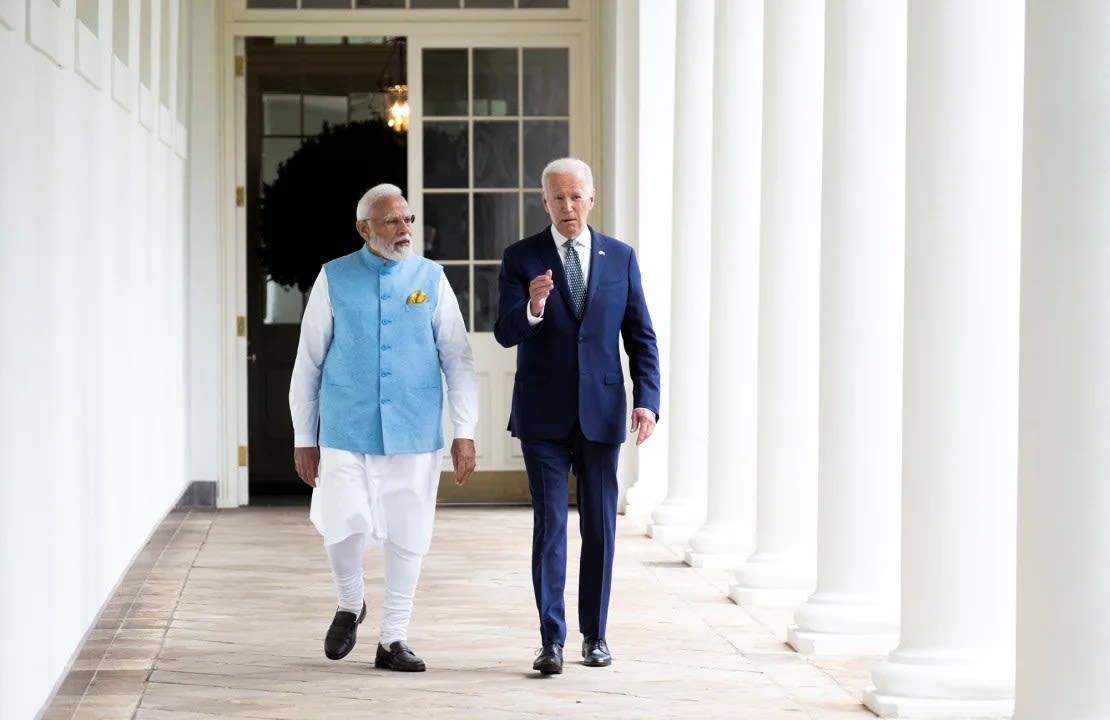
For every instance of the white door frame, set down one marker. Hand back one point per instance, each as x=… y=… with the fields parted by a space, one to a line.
x=579 y=25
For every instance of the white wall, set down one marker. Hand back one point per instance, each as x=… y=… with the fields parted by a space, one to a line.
x=92 y=357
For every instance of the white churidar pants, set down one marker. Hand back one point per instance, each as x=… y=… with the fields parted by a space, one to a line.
x=362 y=501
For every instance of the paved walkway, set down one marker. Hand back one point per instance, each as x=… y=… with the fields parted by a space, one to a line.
x=223 y=616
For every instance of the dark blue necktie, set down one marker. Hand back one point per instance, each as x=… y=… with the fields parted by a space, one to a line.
x=574 y=279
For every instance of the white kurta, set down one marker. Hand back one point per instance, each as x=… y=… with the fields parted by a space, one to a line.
x=386 y=497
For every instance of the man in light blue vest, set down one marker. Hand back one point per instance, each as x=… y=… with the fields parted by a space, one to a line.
x=366 y=398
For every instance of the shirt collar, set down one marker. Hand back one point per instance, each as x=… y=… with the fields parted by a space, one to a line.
x=583 y=238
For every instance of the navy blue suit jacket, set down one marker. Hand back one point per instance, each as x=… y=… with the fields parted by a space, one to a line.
x=569 y=371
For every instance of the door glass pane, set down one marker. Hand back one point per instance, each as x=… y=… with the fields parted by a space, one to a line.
x=271 y=4
x=545 y=82
x=281 y=114
x=446 y=226
x=543 y=3
x=320 y=109
x=380 y=3
x=488 y=3
x=535 y=217
x=485 y=297
x=445 y=83
x=496 y=157
x=445 y=155
x=496 y=223
x=274 y=152
x=459 y=278
x=284 y=305
x=544 y=140
x=423 y=4
x=495 y=81
x=315 y=4
x=360 y=106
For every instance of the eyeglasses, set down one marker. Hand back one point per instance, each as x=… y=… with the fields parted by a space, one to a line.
x=395 y=223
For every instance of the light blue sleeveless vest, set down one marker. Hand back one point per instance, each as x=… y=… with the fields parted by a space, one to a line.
x=381 y=392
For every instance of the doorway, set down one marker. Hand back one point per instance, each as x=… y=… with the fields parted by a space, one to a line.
x=493 y=94
x=318 y=135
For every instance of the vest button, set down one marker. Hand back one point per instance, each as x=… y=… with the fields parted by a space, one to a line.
x=386 y=322
x=385 y=347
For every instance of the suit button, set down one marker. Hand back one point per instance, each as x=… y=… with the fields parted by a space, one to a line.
x=581 y=339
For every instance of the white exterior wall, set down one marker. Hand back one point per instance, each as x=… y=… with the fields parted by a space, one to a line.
x=92 y=364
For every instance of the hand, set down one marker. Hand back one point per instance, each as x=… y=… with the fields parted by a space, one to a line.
x=463 y=458
x=538 y=290
x=643 y=424
x=307 y=462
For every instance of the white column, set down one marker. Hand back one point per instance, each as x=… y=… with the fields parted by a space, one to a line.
x=855 y=607
x=652 y=72
x=963 y=186
x=781 y=569
x=728 y=534
x=680 y=513
x=1063 y=598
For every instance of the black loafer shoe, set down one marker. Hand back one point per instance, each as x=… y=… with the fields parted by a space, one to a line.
x=340 y=639
x=398 y=657
x=550 y=660
x=595 y=652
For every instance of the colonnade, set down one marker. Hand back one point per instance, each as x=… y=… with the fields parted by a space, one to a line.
x=899 y=209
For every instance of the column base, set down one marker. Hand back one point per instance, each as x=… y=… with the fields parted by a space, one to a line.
x=824 y=643
x=671 y=534
x=892 y=706
x=942 y=684
x=774 y=579
x=767 y=597
x=839 y=623
x=711 y=560
x=640 y=503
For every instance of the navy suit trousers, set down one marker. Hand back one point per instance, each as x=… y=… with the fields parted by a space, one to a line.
x=549 y=463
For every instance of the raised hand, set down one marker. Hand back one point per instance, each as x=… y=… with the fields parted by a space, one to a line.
x=538 y=291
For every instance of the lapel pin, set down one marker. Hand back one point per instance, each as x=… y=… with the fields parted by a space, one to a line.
x=600 y=252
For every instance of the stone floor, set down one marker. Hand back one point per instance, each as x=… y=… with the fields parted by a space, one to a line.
x=224 y=614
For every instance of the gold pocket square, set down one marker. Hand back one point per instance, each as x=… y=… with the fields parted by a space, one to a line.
x=416 y=297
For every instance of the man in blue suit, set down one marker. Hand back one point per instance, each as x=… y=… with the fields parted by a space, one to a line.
x=568 y=296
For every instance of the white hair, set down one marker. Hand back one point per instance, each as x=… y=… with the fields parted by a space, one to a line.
x=373 y=195
x=568 y=165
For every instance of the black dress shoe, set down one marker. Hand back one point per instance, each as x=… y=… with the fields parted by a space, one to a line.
x=595 y=652
x=398 y=657
x=550 y=660
x=340 y=639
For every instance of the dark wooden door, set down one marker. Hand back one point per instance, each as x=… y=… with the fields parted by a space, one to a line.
x=295 y=87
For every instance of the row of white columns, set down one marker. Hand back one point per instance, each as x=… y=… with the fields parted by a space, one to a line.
x=872 y=259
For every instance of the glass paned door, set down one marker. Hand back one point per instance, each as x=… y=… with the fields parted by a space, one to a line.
x=486 y=121
x=493 y=117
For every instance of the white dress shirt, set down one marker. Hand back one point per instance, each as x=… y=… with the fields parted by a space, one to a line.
x=455 y=358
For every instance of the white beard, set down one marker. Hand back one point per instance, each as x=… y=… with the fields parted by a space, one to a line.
x=389 y=251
